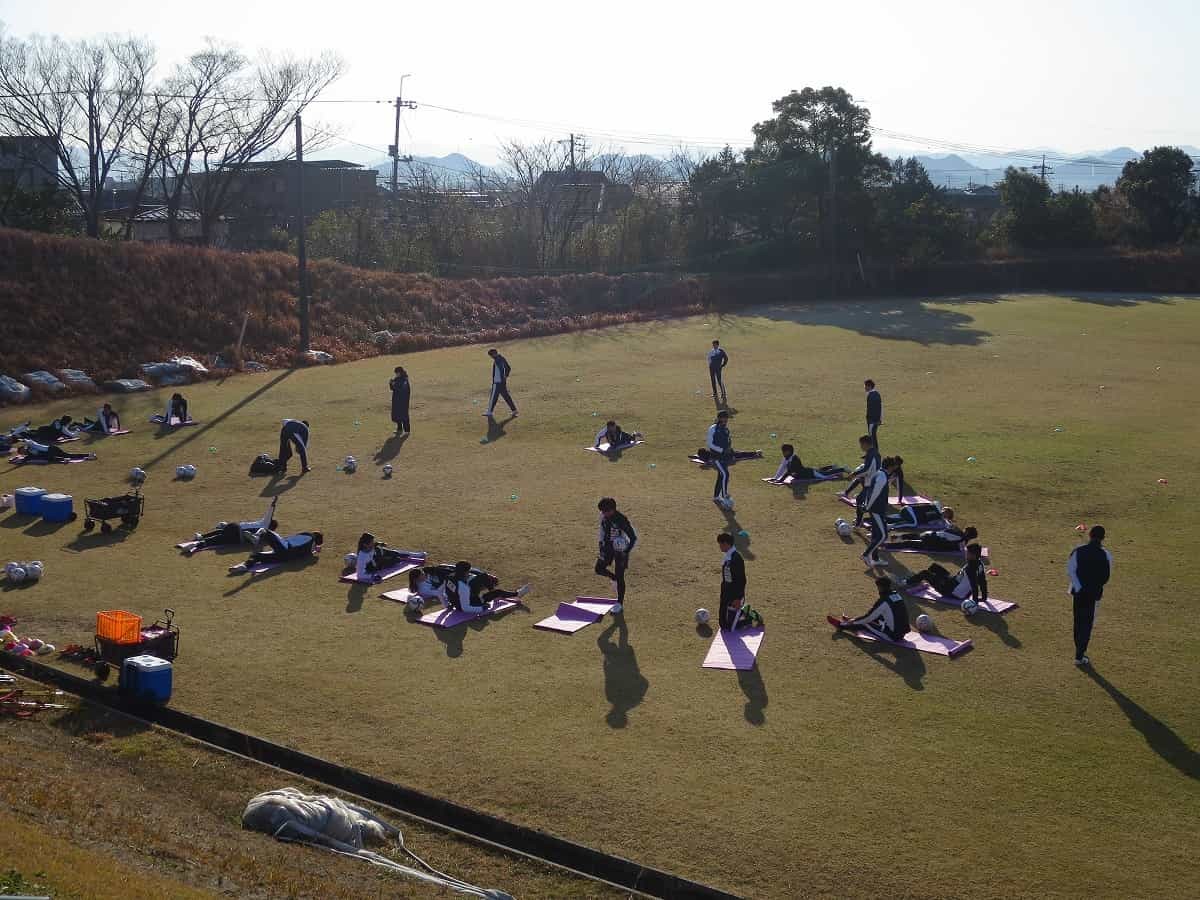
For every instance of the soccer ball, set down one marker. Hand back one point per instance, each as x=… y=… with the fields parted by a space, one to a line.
x=414 y=602
x=16 y=574
x=970 y=607
x=387 y=471
x=617 y=609
x=843 y=527
x=620 y=542
x=701 y=616
x=137 y=475
x=33 y=571
x=189 y=471
x=181 y=471
x=350 y=464
x=350 y=559
x=924 y=623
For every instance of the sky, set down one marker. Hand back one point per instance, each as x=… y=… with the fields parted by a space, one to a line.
x=652 y=75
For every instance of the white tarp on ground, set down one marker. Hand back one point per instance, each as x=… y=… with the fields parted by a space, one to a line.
x=77 y=379
x=13 y=391
x=44 y=379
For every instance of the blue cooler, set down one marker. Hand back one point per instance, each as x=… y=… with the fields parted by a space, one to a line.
x=146 y=678
x=57 y=507
x=29 y=501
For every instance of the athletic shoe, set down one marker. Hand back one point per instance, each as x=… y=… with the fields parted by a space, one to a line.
x=515 y=413
x=197 y=536
x=758 y=454
x=523 y=590
x=617 y=609
x=1083 y=661
x=238 y=569
x=872 y=562
x=717 y=500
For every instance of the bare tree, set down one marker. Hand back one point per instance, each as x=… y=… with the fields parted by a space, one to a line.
x=87 y=98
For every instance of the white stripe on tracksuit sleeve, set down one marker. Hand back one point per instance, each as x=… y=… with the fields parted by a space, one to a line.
x=712 y=445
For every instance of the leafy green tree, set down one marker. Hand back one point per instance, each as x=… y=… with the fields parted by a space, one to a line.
x=48 y=210
x=1025 y=218
x=1159 y=188
x=1072 y=221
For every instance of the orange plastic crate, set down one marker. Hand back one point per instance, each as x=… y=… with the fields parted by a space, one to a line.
x=119 y=626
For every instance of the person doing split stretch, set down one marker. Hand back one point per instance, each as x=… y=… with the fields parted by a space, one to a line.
x=612 y=435
x=718 y=359
x=617 y=538
x=887 y=619
x=874 y=410
x=1088 y=567
x=372 y=556
x=177 y=408
x=500 y=372
x=293 y=433
x=106 y=422
x=35 y=451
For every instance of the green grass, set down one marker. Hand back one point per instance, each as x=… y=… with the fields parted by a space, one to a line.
x=1004 y=773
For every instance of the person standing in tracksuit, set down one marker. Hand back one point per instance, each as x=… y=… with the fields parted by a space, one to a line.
x=1088 y=567
x=875 y=505
x=401 y=393
x=720 y=446
x=718 y=359
x=874 y=410
x=863 y=474
x=500 y=372
x=617 y=538
x=733 y=583
x=294 y=433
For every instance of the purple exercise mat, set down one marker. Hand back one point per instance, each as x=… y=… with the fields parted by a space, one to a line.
x=992 y=604
x=734 y=650
x=961 y=554
x=914 y=640
x=20 y=459
x=448 y=618
x=909 y=500
x=791 y=479
x=405 y=565
x=571 y=617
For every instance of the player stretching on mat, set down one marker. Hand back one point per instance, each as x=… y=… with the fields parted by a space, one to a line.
x=792 y=467
x=51 y=453
x=177 y=408
x=919 y=515
x=280 y=549
x=107 y=421
x=947 y=539
x=887 y=619
x=875 y=506
x=230 y=534
x=374 y=555
x=612 y=435
x=734 y=612
x=617 y=538
x=428 y=584
x=969 y=583
x=475 y=593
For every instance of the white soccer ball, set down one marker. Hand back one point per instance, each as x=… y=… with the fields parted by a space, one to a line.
x=702 y=615
x=181 y=471
x=350 y=559
x=414 y=602
x=9 y=566
x=189 y=471
x=387 y=471
x=34 y=570
x=137 y=475
x=924 y=623
x=620 y=542
x=970 y=607
x=16 y=574
x=843 y=527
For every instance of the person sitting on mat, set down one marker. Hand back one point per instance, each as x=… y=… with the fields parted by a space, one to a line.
x=428 y=584
x=918 y=515
x=794 y=468
x=474 y=593
x=948 y=539
x=177 y=408
x=230 y=534
x=612 y=435
x=34 y=451
x=373 y=556
x=971 y=580
x=887 y=619
x=279 y=549
x=106 y=422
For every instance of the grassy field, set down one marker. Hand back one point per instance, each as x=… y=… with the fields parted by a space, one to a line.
x=1006 y=772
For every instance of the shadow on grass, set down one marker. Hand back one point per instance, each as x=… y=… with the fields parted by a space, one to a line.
x=890 y=319
x=624 y=685
x=355 y=596
x=452 y=638
x=42 y=528
x=1121 y=301
x=900 y=660
x=390 y=449
x=1158 y=734
x=496 y=429
x=92 y=540
x=751 y=683
x=97 y=724
x=279 y=484
x=199 y=431
x=291 y=566
x=18 y=520
x=741 y=537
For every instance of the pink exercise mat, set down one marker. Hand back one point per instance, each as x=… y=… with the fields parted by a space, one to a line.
x=991 y=604
x=734 y=650
x=404 y=565
x=909 y=500
x=402 y=595
x=20 y=459
x=914 y=640
x=605 y=448
x=174 y=423
x=263 y=566
x=957 y=554
x=448 y=618
x=791 y=479
x=580 y=613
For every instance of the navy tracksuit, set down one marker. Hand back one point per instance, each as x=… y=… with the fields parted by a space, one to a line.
x=294 y=433
x=1089 y=567
x=720 y=442
x=874 y=414
x=875 y=505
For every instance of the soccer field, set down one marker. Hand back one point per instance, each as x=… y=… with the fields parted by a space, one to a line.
x=833 y=768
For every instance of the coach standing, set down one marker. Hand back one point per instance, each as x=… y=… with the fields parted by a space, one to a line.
x=401 y=392
x=500 y=372
x=718 y=359
x=1088 y=567
x=874 y=410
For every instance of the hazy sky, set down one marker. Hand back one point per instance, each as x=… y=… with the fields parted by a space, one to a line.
x=648 y=75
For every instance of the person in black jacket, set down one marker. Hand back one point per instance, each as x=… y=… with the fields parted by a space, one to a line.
x=888 y=618
x=1088 y=567
x=718 y=359
x=401 y=391
x=874 y=410
x=733 y=583
x=792 y=467
x=500 y=373
x=970 y=582
x=293 y=433
x=617 y=538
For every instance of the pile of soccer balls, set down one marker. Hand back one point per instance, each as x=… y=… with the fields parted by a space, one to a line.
x=185 y=473
x=21 y=572
x=350 y=464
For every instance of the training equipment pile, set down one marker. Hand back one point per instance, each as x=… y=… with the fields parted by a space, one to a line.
x=344 y=828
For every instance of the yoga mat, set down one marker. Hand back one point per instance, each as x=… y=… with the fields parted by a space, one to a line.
x=259 y=567
x=21 y=459
x=791 y=479
x=582 y=612
x=734 y=650
x=174 y=423
x=405 y=565
x=448 y=618
x=914 y=640
x=401 y=595
x=707 y=465
x=991 y=604
x=959 y=554
x=605 y=448
x=909 y=500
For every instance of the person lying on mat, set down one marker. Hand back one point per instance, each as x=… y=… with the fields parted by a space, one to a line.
x=793 y=467
x=61 y=428
x=888 y=618
x=918 y=515
x=106 y=422
x=971 y=580
x=230 y=534
x=35 y=452
x=279 y=549
x=177 y=408
x=474 y=593
x=612 y=435
x=948 y=539
x=373 y=556
x=428 y=584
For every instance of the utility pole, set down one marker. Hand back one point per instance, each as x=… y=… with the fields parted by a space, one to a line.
x=394 y=149
x=1043 y=168
x=573 y=140
x=300 y=251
